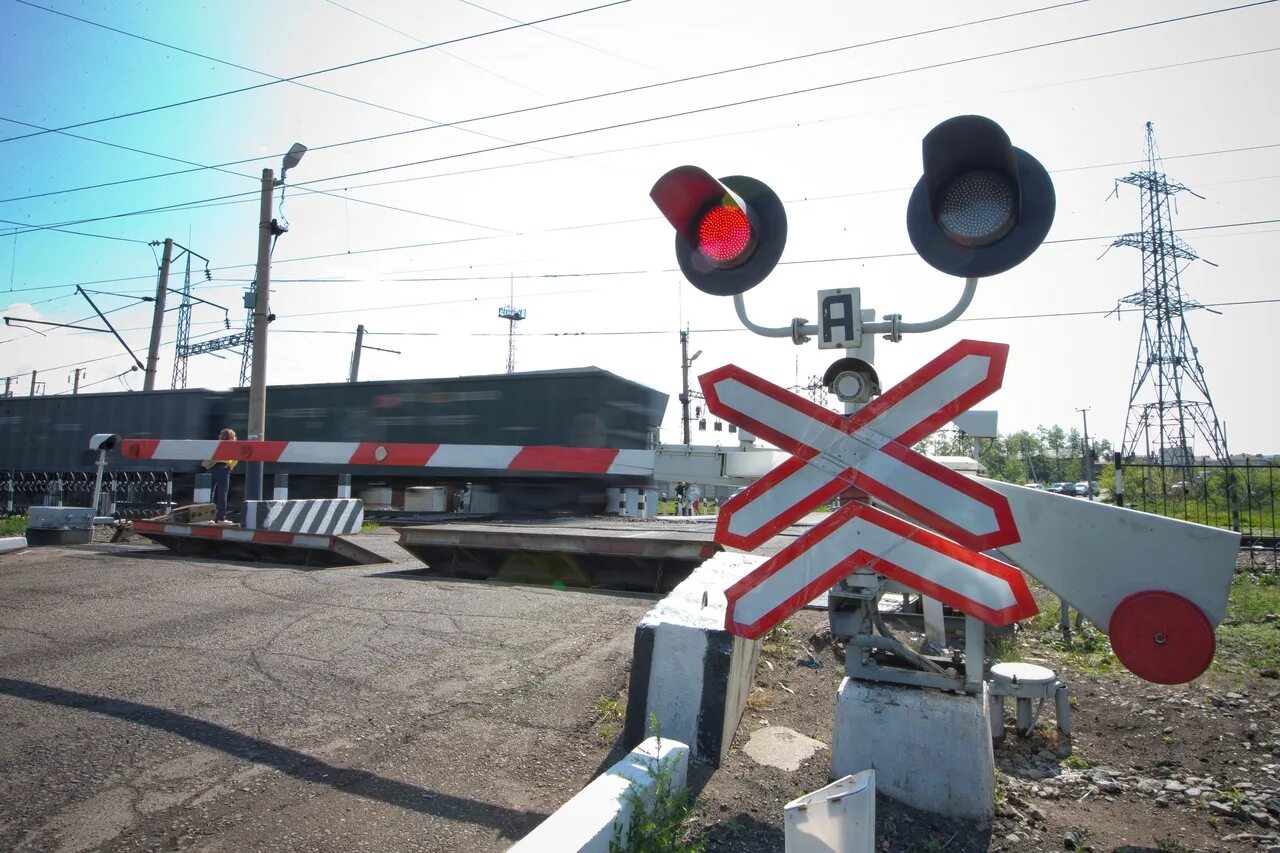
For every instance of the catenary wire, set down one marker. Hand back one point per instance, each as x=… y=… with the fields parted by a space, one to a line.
x=318 y=72
x=685 y=113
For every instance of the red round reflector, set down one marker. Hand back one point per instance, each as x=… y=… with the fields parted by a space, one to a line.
x=1161 y=637
x=724 y=234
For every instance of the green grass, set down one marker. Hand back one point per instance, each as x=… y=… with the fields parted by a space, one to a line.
x=370 y=527
x=15 y=525
x=1245 y=642
x=608 y=712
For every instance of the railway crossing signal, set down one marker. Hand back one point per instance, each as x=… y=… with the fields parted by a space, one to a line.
x=870 y=450
x=729 y=233
x=860 y=536
x=982 y=206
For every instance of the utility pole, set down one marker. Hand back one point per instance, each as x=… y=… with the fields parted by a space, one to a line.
x=261 y=313
x=7 y=380
x=33 y=383
x=355 y=356
x=157 y=318
x=75 y=388
x=1087 y=464
x=685 y=362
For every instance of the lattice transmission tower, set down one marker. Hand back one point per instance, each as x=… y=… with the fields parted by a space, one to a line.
x=512 y=315
x=1169 y=402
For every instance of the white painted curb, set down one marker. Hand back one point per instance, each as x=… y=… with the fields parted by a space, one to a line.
x=12 y=543
x=586 y=823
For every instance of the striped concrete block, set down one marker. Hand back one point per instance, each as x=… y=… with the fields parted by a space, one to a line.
x=328 y=516
x=687 y=670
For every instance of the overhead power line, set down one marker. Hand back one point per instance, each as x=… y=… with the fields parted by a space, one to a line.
x=525 y=110
x=344 y=66
x=590 y=274
x=683 y=113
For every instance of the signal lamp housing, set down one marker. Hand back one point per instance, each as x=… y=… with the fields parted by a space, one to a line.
x=729 y=232
x=982 y=206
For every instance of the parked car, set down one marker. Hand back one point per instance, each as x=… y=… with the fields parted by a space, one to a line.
x=1083 y=489
x=1069 y=489
x=1058 y=487
x=1036 y=486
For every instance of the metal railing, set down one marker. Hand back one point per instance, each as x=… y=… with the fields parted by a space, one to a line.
x=1240 y=495
x=125 y=494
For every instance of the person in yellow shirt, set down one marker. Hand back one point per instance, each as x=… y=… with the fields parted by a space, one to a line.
x=220 y=469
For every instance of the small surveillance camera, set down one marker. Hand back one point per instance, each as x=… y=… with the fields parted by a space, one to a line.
x=852 y=380
x=104 y=441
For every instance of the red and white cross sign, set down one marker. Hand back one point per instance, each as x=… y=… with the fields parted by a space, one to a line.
x=870 y=450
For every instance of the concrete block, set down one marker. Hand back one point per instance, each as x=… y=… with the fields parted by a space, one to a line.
x=586 y=823
x=60 y=517
x=327 y=516
x=9 y=544
x=930 y=749
x=687 y=670
x=37 y=536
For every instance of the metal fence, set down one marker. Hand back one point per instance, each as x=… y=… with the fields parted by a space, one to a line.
x=125 y=494
x=1240 y=495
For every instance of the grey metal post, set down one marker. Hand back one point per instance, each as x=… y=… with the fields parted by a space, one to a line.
x=75 y=387
x=280 y=482
x=157 y=318
x=33 y=383
x=355 y=356
x=97 y=483
x=344 y=485
x=975 y=647
x=261 y=311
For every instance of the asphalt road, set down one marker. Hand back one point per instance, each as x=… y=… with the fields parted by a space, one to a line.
x=148 y=702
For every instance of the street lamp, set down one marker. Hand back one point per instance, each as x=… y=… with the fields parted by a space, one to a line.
x=267 y=229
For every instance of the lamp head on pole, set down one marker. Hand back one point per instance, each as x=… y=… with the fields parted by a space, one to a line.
x=292 y=158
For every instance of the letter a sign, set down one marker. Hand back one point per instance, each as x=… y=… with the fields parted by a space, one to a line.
x=870 y=450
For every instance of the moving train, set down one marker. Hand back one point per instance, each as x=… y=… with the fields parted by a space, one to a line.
x=45 y=456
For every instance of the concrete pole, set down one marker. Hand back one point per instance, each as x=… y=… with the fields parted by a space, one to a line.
x=157 y=317
x=355 y=356
x=33 y=383
x=75 y=388
x=684 y=386
x=7 y=380
x=261 y=310
x=1087 y=464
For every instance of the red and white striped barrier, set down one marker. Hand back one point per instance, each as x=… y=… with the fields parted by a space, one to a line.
x=233 y=534
x=492 y=457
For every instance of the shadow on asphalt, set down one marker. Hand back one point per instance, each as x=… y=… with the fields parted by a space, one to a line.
x=425 y=574
x=510 y=822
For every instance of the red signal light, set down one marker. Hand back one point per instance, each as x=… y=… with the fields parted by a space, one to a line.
x=729 y=232
x=725 y=235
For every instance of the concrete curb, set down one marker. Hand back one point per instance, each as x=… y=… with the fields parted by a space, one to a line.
x=586 y=823
x=687 y=670
x=9 y=544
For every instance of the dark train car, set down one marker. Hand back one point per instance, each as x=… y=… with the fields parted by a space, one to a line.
x=579 y=407
x=52 y=433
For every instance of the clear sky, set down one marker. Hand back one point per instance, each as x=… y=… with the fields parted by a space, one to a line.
x=421 y=233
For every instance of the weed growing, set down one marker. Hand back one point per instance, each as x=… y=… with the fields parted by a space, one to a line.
x=660 y=822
